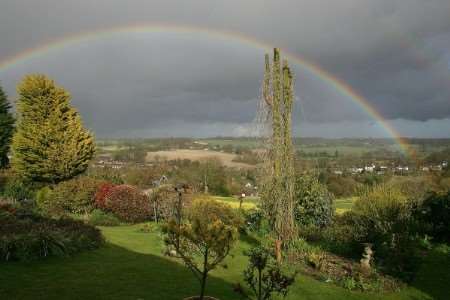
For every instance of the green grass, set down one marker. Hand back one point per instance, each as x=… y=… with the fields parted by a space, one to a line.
x=344 y=204
x=131 y=266
x=248 y=203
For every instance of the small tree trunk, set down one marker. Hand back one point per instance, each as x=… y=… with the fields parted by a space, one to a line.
x=204 y=275
x=155 y=210
x=202 y=292
x=278 y=250
x=259 y=285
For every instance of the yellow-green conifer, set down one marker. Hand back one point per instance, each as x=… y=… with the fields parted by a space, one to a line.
x=50 y=144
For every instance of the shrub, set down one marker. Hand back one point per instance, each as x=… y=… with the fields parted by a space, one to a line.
x=341 y=239
x=264 y=276
x=128 y=204
x=75 y=195
x=17 y=190
x=433 y=216
x=382 y=211
x=310 y=232
x=383 y=216
x=314 y=204
x=253 y=219
x=46 y=203
x=101 y=218
x=102 y=193
x=342 y=186
x=25 y=235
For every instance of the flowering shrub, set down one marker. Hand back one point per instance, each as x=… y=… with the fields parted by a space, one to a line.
x=101 y=194
x=128 y=204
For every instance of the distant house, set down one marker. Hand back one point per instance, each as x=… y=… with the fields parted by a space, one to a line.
x=369 y=168
x=436 y=168
x=107 y=162
x=400 y=168
x=250 y=190
x=356 y=170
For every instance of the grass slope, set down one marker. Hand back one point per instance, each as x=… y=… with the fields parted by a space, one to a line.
x=132 y=266
x=344 y=204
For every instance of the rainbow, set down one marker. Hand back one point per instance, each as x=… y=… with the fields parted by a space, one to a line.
x=337 y=84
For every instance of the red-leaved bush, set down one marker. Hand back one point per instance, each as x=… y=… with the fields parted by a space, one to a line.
x=128 y=204
x=101 y=194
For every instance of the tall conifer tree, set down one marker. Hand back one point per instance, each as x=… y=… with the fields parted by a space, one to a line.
x=50 y=144
x=6 y=128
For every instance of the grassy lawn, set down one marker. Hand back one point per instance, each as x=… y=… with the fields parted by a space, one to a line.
x=131 y=266
x=344 y=204
x=248 y=202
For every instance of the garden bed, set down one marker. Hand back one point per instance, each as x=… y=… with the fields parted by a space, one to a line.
x=25 y=235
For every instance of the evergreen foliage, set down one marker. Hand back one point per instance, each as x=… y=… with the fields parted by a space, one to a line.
x=50 y=144
x=434 y=216
x=264 y=276
x=6 y=128
x=314 y=204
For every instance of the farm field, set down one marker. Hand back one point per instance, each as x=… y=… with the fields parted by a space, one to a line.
x=131 y=266
x=197 y=155
x=236 y=142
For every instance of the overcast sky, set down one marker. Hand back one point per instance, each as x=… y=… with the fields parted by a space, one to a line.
x=395 y=53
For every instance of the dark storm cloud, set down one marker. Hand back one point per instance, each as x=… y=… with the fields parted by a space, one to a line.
x=394 y=53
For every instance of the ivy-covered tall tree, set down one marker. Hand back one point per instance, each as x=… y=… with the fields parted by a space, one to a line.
x=277 y=192
x=50 y=144
x=6 y=128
